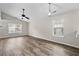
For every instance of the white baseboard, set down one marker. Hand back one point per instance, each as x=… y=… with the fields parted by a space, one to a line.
x=59 y=42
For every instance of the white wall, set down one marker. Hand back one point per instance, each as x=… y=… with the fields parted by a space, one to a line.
x=41 y=27
x=4 y=29
x=40 y=23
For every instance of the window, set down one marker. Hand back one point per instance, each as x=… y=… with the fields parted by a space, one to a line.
x=58 y=30
x=14 y=28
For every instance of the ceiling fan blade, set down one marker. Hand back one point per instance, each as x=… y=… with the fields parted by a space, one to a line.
x=27 y=17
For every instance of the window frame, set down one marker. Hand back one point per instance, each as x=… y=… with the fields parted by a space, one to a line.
x=14 y=28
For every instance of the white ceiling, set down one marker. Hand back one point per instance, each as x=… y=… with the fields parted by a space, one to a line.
x=36 y=9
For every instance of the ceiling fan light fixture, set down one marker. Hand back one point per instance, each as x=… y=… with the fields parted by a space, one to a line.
x=49 y=14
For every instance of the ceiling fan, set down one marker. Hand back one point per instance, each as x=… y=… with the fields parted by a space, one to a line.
x=52 y=9
x=23 y=15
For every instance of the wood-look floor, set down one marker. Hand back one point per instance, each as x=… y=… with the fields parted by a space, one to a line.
x=29 y=46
